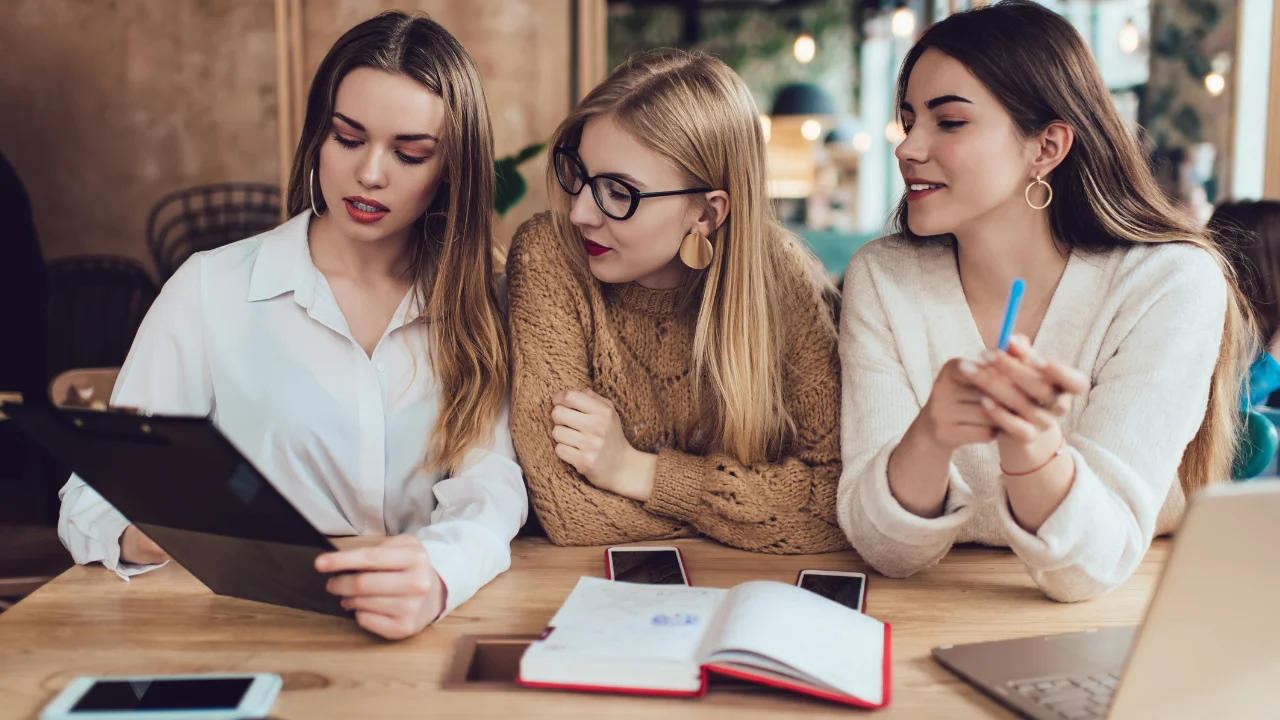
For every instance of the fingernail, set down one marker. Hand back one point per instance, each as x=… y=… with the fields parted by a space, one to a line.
x=968 y=368
x=988 y=356
x=1036 y=361
x=988 y=404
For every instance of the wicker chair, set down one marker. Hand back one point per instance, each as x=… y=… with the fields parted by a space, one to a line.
x=206 y=217
x=96 y=303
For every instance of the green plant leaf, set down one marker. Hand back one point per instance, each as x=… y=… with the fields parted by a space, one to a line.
x=1187 y=122
x=510 y=184
x=530 y=152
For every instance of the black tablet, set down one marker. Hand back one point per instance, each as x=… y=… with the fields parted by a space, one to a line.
x=188 y=488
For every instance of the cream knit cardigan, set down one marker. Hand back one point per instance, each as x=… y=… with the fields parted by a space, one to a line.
x=1144 y=323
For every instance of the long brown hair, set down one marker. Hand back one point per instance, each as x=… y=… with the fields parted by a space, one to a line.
x=451 y=252
x=1249 y=232
x=1104 y=194
x=693 y=110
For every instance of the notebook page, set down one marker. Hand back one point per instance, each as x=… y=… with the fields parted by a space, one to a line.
x=605 y=624
x=821 y=641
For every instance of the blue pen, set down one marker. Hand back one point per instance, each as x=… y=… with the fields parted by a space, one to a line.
x=1011 y=313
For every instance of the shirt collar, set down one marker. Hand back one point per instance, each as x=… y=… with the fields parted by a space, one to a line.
x=284 y=263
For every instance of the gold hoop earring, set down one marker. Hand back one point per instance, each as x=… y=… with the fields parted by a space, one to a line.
x=1047 y=187
x=311 y=193
x=696 y=250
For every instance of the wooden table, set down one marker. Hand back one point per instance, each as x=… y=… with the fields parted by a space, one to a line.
x=88 y=622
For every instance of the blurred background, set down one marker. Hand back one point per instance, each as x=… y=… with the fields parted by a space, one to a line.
x=136 y=132
x=1190 y=75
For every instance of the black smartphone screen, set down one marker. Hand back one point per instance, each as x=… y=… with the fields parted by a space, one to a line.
x=844 y=589
x=162 y=695
x=648 y=567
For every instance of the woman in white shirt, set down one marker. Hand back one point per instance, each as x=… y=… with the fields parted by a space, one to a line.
x=356 y=354
x=1074 y=448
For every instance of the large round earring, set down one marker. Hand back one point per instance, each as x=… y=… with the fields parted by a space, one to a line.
x=311 y=193
x=696 y=250
x=1027 y=193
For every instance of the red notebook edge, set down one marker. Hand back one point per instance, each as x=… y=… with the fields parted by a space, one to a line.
x=804 y=690
x=738 y=674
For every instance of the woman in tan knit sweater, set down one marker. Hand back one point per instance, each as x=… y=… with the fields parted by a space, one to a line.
x=674 y=355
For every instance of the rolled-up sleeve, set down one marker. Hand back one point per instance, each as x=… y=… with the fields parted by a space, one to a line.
x=478 y=512
x=1147 y=404
x=166 y=372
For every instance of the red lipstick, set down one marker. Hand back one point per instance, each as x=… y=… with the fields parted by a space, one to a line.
x=595 y=249
x=364 y=210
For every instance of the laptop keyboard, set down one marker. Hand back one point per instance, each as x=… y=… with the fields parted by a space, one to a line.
x=1072 y=697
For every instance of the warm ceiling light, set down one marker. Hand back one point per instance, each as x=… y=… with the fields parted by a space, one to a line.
x=1215 y=83
x=862 y=142
x=805 y=48
x=903 y=22
x=811 y=129
x=893 y=132
x=1130 y=39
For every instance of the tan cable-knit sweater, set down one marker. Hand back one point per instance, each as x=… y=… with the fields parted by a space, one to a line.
x=634 y=346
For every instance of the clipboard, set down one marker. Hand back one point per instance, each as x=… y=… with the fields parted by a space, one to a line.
x=191 y=491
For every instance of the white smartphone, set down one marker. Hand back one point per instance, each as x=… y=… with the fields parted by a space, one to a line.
x=845 y=587
x=173 y=697
x=647 y=565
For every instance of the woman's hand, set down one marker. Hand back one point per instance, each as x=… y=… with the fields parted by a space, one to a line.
x=392 y=586
x=953 y=416
x=137 y=548
x=588 y=435
x=1024 y=393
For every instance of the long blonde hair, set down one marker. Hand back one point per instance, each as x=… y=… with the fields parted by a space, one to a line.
x=1104 y=194
x=451 y=259
x=693 y=110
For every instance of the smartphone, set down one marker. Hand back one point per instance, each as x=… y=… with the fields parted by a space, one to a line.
x=175 y=697
x=847 y=588
x=647 y=565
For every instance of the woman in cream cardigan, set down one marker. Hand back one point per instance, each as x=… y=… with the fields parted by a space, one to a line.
x=1118 y=395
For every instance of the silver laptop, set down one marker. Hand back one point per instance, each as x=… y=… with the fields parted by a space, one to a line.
x=1208 y=648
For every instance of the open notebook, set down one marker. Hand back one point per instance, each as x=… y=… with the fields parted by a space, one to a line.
x=664 y=639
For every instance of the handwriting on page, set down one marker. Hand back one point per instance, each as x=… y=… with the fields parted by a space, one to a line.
x=665 y=620
x=601 y=618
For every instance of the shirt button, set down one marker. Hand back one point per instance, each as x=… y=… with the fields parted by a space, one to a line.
x=382 y=367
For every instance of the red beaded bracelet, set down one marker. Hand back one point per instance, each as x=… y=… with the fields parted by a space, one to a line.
x=1061 y=446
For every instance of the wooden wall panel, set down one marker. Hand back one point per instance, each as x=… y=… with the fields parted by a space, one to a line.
x=110 y=104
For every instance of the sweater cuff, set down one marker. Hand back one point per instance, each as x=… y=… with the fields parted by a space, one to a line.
x=900 y=524
x=1066 y=533
x=677 y=485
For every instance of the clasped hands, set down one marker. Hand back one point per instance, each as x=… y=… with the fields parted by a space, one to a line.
x=1014 y=398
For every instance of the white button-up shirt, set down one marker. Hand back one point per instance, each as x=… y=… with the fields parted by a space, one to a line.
x=251 y=332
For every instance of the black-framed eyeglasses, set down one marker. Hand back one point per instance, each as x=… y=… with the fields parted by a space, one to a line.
x=616 y=198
